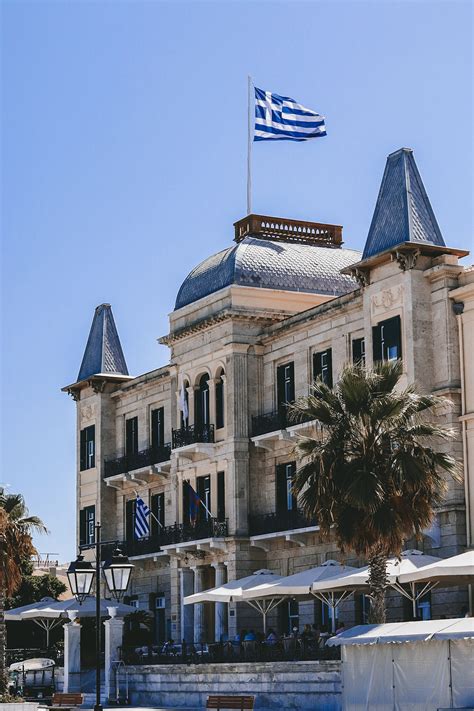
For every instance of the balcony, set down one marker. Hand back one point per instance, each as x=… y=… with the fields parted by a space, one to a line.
x=193 y=434
x=272 y=427
x=139 y=460
x=283 y=521
x=179 y=533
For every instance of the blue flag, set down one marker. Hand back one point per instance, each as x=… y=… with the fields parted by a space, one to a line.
x=283 y=119
x=142 y=525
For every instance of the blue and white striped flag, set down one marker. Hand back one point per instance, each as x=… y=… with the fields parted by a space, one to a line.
x=283 y=119
x=142 y=525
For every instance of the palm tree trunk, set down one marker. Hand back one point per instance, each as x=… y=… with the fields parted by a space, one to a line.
x=378 y=583
x=3 y=644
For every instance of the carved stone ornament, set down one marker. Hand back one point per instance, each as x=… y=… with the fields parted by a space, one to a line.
x=87 y=413
x=407 y=260
x=97 y=386
x=387 y=299
x=361 y=276
x=75 y=394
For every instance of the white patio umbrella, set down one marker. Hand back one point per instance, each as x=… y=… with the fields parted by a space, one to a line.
x=444 y=572
x=15 y=615
x=265 y=597
x=344 y=585
x=235 y=590
x=66 y=608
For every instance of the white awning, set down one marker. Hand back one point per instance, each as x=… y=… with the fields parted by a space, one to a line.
x=456 y=570
x=406 y=632
x=234 y=590
x=87 y=609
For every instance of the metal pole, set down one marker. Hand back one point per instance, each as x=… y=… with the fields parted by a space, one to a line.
x=249 y=146
x=97 y=706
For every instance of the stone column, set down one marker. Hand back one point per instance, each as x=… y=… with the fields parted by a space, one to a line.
x=199 y=631
x=113 y=643
x=220 y=625
x=72 y=655
x=186 y=582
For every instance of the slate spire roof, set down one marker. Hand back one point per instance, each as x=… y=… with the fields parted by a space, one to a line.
x=403 y=212
x=103 y=353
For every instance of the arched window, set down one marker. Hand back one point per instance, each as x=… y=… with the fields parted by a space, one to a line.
x=220 y=419
x=202 y=402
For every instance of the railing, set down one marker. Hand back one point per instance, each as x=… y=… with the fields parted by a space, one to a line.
x=288 y=230
x=137 y=460
x=279 y=521
x=178 y=533
x=278 y=420
x=286 y=649
x=192 y=435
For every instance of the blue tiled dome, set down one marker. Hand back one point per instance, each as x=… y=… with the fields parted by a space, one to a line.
x=271 y=264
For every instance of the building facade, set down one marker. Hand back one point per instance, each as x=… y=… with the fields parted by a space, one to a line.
x=252 y=327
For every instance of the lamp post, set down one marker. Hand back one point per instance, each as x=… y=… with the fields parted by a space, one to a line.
x=81 y=574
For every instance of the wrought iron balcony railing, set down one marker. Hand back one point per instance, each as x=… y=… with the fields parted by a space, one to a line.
x=278 y=420
x=179 y=533
x=192 y=435
x=138 y=460
x=279 y=521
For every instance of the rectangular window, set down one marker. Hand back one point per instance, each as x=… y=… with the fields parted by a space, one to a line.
x=358 y=351
x=186 y=519
x=158 y=427
x=131 y=435
x=285 y=498
x=387 y=339
x=285 y=390
x=221 y=496
x=158 y=512
x=219 y=404
x=203 y=486
x=87 y=526
x=322 y=366
x=87 y=447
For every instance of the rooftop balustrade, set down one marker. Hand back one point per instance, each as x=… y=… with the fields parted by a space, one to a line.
x=137 y=460
x=279 y=228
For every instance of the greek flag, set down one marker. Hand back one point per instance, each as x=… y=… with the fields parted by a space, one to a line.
x=280 y=118
x=142 y=526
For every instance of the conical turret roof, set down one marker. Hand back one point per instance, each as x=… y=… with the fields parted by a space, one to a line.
x=103 y=353
x=403 y=212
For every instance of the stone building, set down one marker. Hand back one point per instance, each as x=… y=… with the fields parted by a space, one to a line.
x=252 y=327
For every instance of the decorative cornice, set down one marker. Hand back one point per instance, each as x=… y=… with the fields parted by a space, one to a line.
x=226 y=315
x=406 y=258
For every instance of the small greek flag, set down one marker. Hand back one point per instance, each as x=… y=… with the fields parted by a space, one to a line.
x=280 y=118
x=142 y=526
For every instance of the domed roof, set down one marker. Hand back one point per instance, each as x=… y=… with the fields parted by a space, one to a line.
x=269 y=264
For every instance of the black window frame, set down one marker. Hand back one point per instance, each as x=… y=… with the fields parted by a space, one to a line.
x=202 y=414
x=87 y=448
x=284 y=476
x=157 y=427
x=131 y=435
x=87 y=525
x=358 y=351
x=322 y=366
x=157 y=508
x=285 y=391
x=386 y=335
x=130 y=520
x=221 y=496
x=203 y=490
x=219 y=402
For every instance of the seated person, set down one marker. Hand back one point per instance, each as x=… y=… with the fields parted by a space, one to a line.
x=271 y=636
x=307 y=633
x=250 y=636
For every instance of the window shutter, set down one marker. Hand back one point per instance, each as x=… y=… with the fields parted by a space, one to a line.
x=393 y=333
x=291 y=393
x=329 y=368
x=280 y=481
x=83 y=450
x=158 y=510
x=130 y=520
x=131 y=436
x=185 y=502
x=82 y=526
x=219 y=404
x=221 y=496
x=317 y=365
x=377 y=342
x=280 y=388
x=293 y=495
x=157 y=427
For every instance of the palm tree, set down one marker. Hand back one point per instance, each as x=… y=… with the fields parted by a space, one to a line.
x=16 y=545
x=373 y=477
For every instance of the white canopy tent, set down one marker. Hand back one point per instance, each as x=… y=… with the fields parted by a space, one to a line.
x=266 y=596
x=47 y=624
x=66 y=608
x=408 y=665
x=347 y=583
x=234 y=591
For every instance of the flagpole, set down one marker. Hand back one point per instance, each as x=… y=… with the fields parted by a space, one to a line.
x=249 y=146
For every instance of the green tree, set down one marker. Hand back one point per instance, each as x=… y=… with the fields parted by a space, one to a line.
x=16 y=546
x=34 y=588
x=373 y=477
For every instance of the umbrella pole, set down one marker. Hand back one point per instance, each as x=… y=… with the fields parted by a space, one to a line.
x=413 y=598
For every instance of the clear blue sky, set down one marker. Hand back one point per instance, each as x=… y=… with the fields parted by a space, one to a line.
x=124 y=162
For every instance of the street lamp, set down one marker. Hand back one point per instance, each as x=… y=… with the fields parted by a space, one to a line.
x=81 y=575
x=117 y=573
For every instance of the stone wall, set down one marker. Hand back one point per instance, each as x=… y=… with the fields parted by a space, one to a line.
x=285 y=685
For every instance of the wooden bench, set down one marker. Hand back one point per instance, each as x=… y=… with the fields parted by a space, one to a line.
x=230 y=702
x=66 y=701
